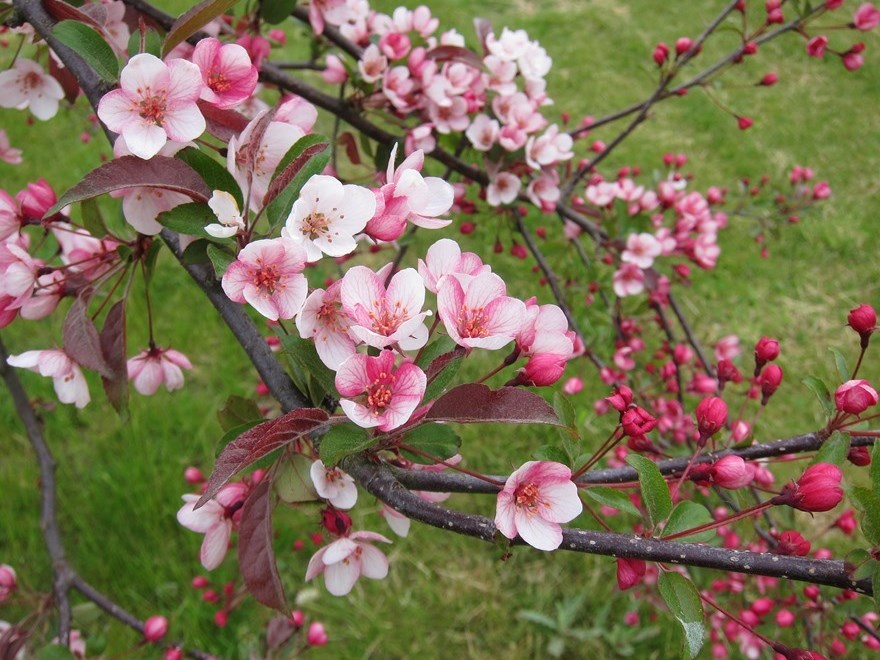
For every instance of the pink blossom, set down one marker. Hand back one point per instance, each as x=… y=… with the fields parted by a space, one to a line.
x=477 y=312
x=10 y=218
x=324 y=321
x=48 y=291
x=511 y=45
x=867 y=17
x=629 y=280
x=227 y=72
x=503 y=189
x=483 y=132
x=444 y=258
x=534 y=501
x=110 y=15
x=573 y=385
x=334 y=485
x=334 y=71
x=641 y=250
x=372 y=64
x=155 y=102
x=8 y=582
x=601 y=193
x=26 y=85
x=317 y=635
x=551 y=148
x=268 y=275
x=8 y=154
x=70 y=384
x=452 y=117
x=384 y=316
x=398 y=522
x=156 y=366
x=420 y=138
x=386 y=395
x=155 y=628
x=348 y=558
x=327 y=216
x=35 y=200
x=215 y=520
x=226 y=209
x=727 y=348
x=855 y=397
x=545 y=338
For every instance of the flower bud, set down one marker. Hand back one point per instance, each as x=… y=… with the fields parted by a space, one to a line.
x=784 y=618
x=847 y=523
x=732 y=472
x=630 y=572
x=297 y=618
x=173 y=653
x=660 y=54
x=200 y=582
x=221 y=618
x=792 y=543
x=860 y=456
x=317 y=636
x=744 y=123
x=683 y=45
x=769 y=80
x=573 y=385
x=621 y=399
x=811 y=591
x=336 y=522
x=155 y=628
x=8 y=581
x=35 y=200
x=762 y=606
x=766 y=350
x=727 y=372
x=817 y=490
x=853 y=60
x=771 y=378
x=863 y=319
x=855 y=397
x=816 y=46
x=637 y=422
x=711 y=416
x=193 y=475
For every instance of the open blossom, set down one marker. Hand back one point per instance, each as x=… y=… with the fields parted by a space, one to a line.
x=228 y=74
x=477 y=312
x=156 y=366
x=629 y=280
x=503 y=189
x=548 y=149
x=346 y=559
x=8 y=154
x=70 y=383
x=324 y=321
x=534 y=501
x=26 y=85
x=215 y=520
x=334 y=485
x=641 y=250
x=483 y=132
x=226 y=209
x=10 y=218
x=867 y=17
x=382 y=316
x=155 y=102
x=268 y=275
x=327 y=216
x=377 y=393
x=444 y=258
x=546 y=340
x=407 y=196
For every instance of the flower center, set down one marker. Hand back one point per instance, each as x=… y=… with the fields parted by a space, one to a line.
x=218 y=82
x=31 y=80
x=266 y=277
x=314 y=225
x=472 y=322
x=379 y=393
x=528 y=496
x=386 y=321
x=152 y=108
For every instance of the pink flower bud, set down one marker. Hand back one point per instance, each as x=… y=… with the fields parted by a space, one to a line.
x=811 y=591
x=732 y=472
x=750 y=48
x=8 y=581
x=784 y=618
x=850 y=630
x=821 y=190
x=711 y=416
x=221 y=618
x=35 y=200
x=573 y=385
x=637 y=422
x=744 y=123
x=660 y=54
x=193 y=475
x=855 y=397
x=816 y=46
x=853 y=60
x=741 y=431
x=769 y=80
x=866 y=18
x=173 y=653
x=766 y=350
x=762 y=606
x=863 y=320
x=200 y=582
x=155 y=628
x=683 y=45
x=817 y=490
x=860 y=456
x=297 y=618
x=771 y=378
x=317 y=636
x=847 y=523
x=278 y=36
x=630 y=572
x=621 y=399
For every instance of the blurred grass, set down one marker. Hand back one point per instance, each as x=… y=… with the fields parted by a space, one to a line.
x=120 y=483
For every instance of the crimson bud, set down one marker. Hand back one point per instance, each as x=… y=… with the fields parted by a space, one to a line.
x=711 y=416
x=744 y=123
x=769 y=80
x=863 y=319
x=8 y=581
x=336 y=522
x=630 y=572
x=155 y=628
x=683 y=45
x=621 y=399
x=817 y=490
x=855 y=397
x=637 y=422
x=317 y=636
x=859 y=456
x=661 y=53
x=771 y=377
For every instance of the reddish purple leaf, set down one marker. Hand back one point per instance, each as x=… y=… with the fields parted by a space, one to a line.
x=278 y=631
x=478 y=403
x=256 y=556
x=61 y=11
x=456 y=54
x=223 y=124
x=134 y=172
x=439 y=363
x=193 y=20
x=81 y=340
x=289 y=173
x=114 y=352
x=258 y=441
x=347 y=140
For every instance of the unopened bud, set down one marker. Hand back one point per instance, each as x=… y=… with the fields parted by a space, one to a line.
x=317 y=636
x=771 y=378
x=155 y=628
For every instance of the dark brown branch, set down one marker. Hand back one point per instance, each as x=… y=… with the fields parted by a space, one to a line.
x=379 y=481
x=689 y=333
x=331 y=33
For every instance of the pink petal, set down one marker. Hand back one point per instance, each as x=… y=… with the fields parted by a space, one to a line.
x=142 y=73
x=537 y=532
x=184 y=123
x=374 y=563
x=143 y=139
x=565 y=505
x=215 y=545
x=504 y=515
x=340 y=578
x=236 y=277
x=352 y=377
x=408 y=289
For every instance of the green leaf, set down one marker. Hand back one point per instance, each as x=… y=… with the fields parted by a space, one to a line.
x=687 y=515
x=655 y=490
x=343 y=440
x=875 y=468
x=89 y=45
x=875 y=582
x=436 y=439
x=152 y=42
x=818 y=387
x=868 y=502
x=275 y=11
x=443 y=344
x=550 y=453
x=188 y=219
x=833 y=450
x=305 y=354
x=92 y=218
x=221 y=258
x=293 y=482
x=307 y=157
x=613 y=498
x=55 y=652
x=238 y=410
x=683 y=600
x=569 y=433
x=85 y=614
x=215 y=175
x=196 y=253
x=842 y=368
x=441 y=375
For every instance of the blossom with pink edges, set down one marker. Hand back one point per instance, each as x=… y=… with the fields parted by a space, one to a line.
x=155 y=102
x=628 y=280
x=68 y=379
x=378 y=394
x=157 y=366
x=641 y=250
x=26 y=85
x=534 y=501
x=268 y=275
x=348 y=558
x=324 y=321
x=215 y=519
x=444 y=258
x=478 y=313
x=228 y=74
x=333 y=485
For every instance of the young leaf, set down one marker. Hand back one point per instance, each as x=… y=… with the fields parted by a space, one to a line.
x=441 y=372
x=81 y=339
x=443 y=344
x=262 y=439
x=655 y=490
x=293 y=482
x=215 y=175
x=435 y=439
x=304 y=353
x=687 y=515
x=89 y=45
x=193 y=20
x=456 y=54
x=237 y=410
x=112 y=341
x=308 y=156
x=868 y=502
x=221 y=259
x=842 y=368
x=187 y=219
x=275 y=11
x=613 y=498
x=683 y=600
x=152 y=42
x=550 y=453
x=476 y=403
x=92 y=218
x=343 y=440
x=222 y=123
x=833 y=450
x=569 y=434
x=817 y=387
x=256 y=554
x=134 y=172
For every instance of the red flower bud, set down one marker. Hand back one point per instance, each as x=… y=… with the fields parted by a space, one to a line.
x=660 y=54
x=637 y=422
x=221 y=618
x=173 y=653
x=630 y=572
x=467 y=228
x=816 y=46
x=859 y=456
x=750 y=48
x=711 y=415
x=855 y=397
x=762 y=606
x=863 y=319
x=769 y=80
x=727 y=372
x=193 y=475
x=766 y=350
x=847 y=523
x=771 y=377
x=792 y=543
x=683 y=45
x=35 y=200
x=519 y=250
x=732 y=472
x=621 y=399
x=297 y=618
x=817 y=490
x=155 y=628
x=317 y=636
x=744 y=123
x=8 y=581
x=336 y=522
x=200 y=582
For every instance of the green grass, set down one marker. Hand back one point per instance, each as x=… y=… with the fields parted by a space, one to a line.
x=447 y=596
